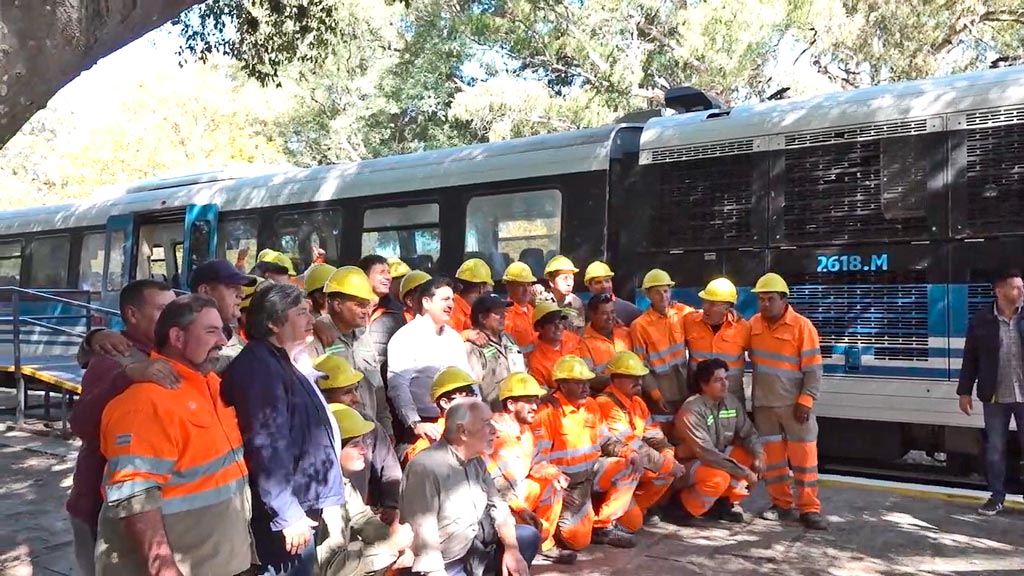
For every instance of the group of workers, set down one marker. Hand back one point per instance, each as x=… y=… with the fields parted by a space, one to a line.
x=374 y=419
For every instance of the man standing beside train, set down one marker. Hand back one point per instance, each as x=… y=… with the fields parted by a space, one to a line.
x=993 y=358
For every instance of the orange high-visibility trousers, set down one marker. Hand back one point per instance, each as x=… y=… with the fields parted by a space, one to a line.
x=652 y=486
x=791 y=450
x=541 y=497
x=705 y=484
x=613 y=480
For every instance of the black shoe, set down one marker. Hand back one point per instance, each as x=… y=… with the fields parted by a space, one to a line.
x=991 y=507
x=776 y=514
x=679 y=516
x=651 y=519
x=558 y=555
x=732 y=514
x=813 y=521
x=614 y=536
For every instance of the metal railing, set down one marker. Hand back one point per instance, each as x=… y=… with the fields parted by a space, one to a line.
x=17 y=319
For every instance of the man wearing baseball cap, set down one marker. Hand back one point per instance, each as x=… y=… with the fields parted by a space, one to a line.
x=499 y=356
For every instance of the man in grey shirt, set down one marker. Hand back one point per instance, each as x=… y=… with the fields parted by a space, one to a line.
x=461 y=524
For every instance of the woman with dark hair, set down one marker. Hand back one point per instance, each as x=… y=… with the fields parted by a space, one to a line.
x=291 y=440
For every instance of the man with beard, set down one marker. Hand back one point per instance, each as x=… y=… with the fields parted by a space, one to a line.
x=177 y=496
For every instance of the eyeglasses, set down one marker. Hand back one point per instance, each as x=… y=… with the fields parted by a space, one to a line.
x=601 y=298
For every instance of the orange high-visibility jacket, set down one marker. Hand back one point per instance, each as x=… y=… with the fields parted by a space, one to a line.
x=573 y=438
x=542 y=357
x=787 y=361
x=459 y=318
x=729 y=344
x=660 y=341
x=511 y=460
x=596 y=349
x=519 y=325
x=629 y=420
x=420 y=444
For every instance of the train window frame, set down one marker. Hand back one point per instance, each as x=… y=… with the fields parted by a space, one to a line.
x=86 y=253
x=330 y=242
x=5 y=258
x=249 y=243
x=529 y=198
x=53 y=262
x=413 y=225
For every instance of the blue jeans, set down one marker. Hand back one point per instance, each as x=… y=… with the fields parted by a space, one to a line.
x=529 y=544
x=302 y=564
x=997 y=428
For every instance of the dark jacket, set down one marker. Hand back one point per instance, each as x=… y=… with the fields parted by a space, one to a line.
x=981 y=355
x=386 y=320
x=289 y=444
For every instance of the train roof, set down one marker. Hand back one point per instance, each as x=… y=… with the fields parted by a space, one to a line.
x=560 y=153
x=879 y=111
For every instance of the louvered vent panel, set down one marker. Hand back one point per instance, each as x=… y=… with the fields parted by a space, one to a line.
x=979 y=297
x=995 y=117
x=703 y=203
x=995 y=179
x=891 y=318
x=852 y=133
x=695 y=151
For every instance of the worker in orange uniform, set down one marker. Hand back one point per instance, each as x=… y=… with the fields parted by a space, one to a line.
x=560 y=273
x=176 y=485
x=598 y=279
x=570 y=434
x=717 y=331
x=602 y=339
x=628 y=419
x=660 y=341
x=474 y=278
x=407 y=293
x=518 y=279
x=786 y=354
x=720 y=448
x=533 y=490
x=551 y=343
x=448 y=386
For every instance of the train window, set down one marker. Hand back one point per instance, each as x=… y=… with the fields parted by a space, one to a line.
x=236 y=242
x=49 y=262
x=115 y=277
x=301 y=234
x=154 y=241
x=411 y=233
x=10 y=263
x=522 y=226
x=90 y=267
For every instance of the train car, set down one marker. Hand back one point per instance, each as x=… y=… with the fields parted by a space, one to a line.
x=887 y=209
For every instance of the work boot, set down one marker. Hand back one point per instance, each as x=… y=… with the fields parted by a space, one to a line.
x=558 y=555
x=651 y=519
x=614 y=535
x=813 y=521
x=776 y=514
x=680 y=516
x=732 y=513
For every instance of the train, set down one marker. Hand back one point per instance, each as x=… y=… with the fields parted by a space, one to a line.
x=887 y=209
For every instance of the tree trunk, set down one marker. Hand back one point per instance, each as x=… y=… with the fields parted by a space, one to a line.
x=44 y=44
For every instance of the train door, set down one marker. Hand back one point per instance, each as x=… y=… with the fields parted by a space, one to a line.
x=118 y=248
x=200 y=241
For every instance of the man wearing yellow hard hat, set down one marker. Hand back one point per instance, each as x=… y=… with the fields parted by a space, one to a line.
x=551 y=342
x=533 y=488
x=571 y=434
x=274 y=266
x=407 y=293
x=627 y=417
x=366 y=544
x=398 y=271
x=786 y=354
x=313 y=282
x=342 y=332
x=474 y=277
x=659 y=339
x=380 y=482
x=598 y=279
x=518 y=279
x=717 y=331
x=243 y=307
x=449 y=385
x=386 y=318
x=560 y=273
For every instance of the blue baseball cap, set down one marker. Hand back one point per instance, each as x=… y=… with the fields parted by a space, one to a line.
x=219 y=272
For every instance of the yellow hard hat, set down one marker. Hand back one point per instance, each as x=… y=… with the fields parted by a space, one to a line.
x=247 y=292
x=475 y=270
x=719 y=290
x=657 y=277
x=351 y=281
x=397 y=267
x=411 y=281
x=627 y=363
x=597 y=269
x=571 y=367
x=520 y=384
x=558 y=264
x=518 y=272
x=449 y=379
x=275 y=257
x=542 y=309
x=771 y=282
x=316 y=277
x=350 y=421
x=338 y=373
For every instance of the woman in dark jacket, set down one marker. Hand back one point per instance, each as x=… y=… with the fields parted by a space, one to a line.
x=290 y=437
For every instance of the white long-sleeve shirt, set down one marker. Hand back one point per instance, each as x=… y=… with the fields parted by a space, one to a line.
x=416 y=353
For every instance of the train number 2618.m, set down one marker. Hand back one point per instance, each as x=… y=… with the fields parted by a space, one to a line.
x=853 y=263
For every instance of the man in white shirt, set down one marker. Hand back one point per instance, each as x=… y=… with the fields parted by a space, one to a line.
x=416 y=353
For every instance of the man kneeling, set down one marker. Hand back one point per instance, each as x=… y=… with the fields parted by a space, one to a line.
x=720 y=448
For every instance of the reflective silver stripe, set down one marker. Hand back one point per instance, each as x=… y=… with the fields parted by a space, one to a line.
x=123 y=490
x=526 y=349
x=764 y=354
x=810 y=353
x=189 y=475
x=148 y=464
x=205 y=498
x=576 y=468
x=805 y=483
x=777 y=479
x=773 y=438
x=667 y=351
x=777 y=371
x=586 y=450
x=804 y=470
x=777 y=466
